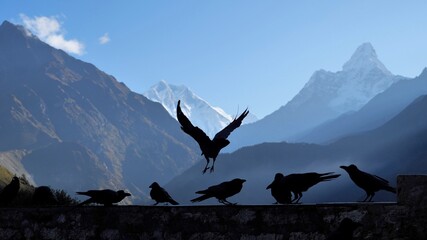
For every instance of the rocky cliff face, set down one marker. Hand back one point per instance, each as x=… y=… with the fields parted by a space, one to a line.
x=68 y=114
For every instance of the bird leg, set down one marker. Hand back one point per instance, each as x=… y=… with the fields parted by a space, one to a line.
x=228 y=203
x=155 y=203
x=370 y=199
x=295 y=198
x=299 y=197
x=213 y=165
x=366 y=198
x=206 y=167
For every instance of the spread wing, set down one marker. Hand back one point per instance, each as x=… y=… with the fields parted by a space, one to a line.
x=188 y=127
x=224 y=133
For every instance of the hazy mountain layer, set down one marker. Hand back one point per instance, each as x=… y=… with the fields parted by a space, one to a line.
x=397 y=147
x=325 y=96
x=376 y=112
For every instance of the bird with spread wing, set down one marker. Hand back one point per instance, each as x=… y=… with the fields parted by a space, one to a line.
x=210 y=147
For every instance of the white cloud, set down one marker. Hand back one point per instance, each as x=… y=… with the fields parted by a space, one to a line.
x=104 y=39
x=49 y=30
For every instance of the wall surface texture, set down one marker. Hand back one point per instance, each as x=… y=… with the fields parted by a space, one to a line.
x=406 y=219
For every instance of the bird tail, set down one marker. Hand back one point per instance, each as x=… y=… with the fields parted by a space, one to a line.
x=390 y=189
x=173 y=202
x=328 y=176
x=201 y=198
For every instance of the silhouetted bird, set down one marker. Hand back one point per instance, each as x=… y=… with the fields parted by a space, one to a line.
x=298 y=183
x=9 y=192
x=210 y=148
x=345 y=230
x=44 y=196
x=160 y=195
x=221 y=191
x=368 y=182
x=106 y=197
x=279 y=190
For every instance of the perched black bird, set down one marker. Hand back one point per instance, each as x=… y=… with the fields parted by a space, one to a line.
x=368 y=182
x=106 y=197
x=279 y=190
x=9 y=192
x=210 y=148
x=160 y=195
x=298 y=183
x=221 y=191
x=345 y=230
x=44 y=196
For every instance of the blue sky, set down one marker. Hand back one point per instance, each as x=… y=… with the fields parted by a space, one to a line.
x=234 y=54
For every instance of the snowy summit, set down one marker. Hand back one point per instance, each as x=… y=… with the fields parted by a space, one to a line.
x=365 y=58
x=361 y=78
x=201 y=113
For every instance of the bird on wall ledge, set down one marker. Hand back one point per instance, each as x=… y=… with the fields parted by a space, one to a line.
x=9 y=192
x=279 y=190
x=368 y=182
x=297 y=183
x=210 y=148
x=160 y=195
x=106 y=197
x=221 y=191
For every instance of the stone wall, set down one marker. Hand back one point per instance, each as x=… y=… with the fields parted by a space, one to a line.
x=406 y=219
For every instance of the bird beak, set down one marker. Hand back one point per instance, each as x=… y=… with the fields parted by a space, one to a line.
x=269 y=186
x=128 y=194
x=344 y=167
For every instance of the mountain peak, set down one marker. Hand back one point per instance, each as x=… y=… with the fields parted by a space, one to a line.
x=8 y=27
x=6 y=24
x=161 y=86
x=365 y=57
x=423 y=73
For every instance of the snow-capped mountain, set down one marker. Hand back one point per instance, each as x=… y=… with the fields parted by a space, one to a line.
x=377 y=111
x=201 y=113
x=361 y=78
x=324 y=97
